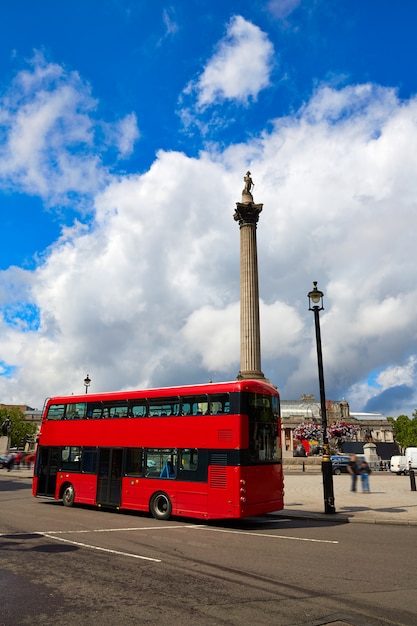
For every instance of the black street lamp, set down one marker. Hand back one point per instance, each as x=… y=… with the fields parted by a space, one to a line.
x=87 y=382
x=315 y=299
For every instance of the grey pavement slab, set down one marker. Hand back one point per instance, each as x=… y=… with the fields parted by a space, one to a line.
x=390 y=500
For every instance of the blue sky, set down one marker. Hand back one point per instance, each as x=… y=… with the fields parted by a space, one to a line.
x=125 y=131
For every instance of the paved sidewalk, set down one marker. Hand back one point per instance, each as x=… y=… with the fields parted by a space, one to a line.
x=16 y=473
x=391 y=500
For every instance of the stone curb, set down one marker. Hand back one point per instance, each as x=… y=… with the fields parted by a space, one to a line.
x=339 y=518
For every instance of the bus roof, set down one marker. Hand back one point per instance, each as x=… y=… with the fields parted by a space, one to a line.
x=254 y=385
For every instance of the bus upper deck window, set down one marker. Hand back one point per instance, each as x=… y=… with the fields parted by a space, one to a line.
x=137 y=410
x=56 y=412
x=76 y=410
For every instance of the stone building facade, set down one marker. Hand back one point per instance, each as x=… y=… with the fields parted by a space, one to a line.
x=373 y=427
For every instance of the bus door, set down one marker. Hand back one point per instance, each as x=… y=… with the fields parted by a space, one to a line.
x=109 y=481
x=48 y=463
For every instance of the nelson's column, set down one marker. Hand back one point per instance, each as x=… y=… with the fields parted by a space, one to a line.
x=247 y=214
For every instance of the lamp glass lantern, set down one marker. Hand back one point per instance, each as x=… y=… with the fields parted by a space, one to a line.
x=315 y=298
x=87 y=382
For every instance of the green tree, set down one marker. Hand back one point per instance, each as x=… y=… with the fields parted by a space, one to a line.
x=20 y=429
x=405 y=430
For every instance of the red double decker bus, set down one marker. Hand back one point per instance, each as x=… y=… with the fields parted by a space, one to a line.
x=208 y=451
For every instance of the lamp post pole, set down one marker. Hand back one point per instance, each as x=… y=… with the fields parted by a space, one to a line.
x=87 y=382
x=315 y=298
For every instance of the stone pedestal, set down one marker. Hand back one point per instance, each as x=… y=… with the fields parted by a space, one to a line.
x=371 y=457
x=4 y=445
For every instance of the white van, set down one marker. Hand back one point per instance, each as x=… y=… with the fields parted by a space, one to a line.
x=398 y=465
x=411 y=458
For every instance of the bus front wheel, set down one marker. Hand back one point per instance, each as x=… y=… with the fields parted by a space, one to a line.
x=68 y=495
x=160 y=506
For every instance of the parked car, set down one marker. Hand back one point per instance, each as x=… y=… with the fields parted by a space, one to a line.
x=339 y=463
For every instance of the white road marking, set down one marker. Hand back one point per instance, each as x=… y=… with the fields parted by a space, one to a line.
x=53 y=534
x=245 y=532
x=265 y=520
x=91 y=530
x=108 y=530
x=86 y=545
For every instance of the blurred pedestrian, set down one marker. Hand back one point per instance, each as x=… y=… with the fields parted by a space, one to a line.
x=365 y=471
x=9 y=461
x=18 y=459
x=354 y=470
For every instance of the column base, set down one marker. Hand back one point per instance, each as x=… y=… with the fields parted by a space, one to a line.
x=251 y=375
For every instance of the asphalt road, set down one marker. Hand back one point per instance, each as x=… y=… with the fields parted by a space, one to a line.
x=83 y=566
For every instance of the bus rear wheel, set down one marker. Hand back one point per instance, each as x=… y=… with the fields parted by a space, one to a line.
x=68 y=495
x=161 y=506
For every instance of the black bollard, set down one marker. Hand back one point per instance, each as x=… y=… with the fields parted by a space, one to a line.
x=412 y=480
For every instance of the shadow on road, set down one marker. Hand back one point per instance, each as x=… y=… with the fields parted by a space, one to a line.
x=357 y=509
x=19 y=543
x=18 y=484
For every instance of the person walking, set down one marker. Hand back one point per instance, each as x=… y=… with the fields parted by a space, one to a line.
x=9 y=462
x=365 y=471
x=353 y=469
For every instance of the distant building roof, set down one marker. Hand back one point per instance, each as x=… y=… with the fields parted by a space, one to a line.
x=305 y=408
x=368 y=416
x=22 y=407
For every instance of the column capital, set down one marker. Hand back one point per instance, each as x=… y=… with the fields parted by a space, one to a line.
x=247 y=213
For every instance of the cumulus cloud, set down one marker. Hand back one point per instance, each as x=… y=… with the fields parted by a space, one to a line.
x=149 y=293
x=390 y=387
x=50 y=138
x=398 y=375
x=239 y=69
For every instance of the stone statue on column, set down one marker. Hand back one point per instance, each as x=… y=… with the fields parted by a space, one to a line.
x=246 y=193
x=6 y=427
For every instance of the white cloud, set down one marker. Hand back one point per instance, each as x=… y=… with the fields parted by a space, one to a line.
x=50 y=138
x=214 y=335
x=14 y=285
x=240 y=67
x=398 y=374
x=149 y=295
x=390 y=380
x=168 y=17
x=123 y=134
x=282 y=8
